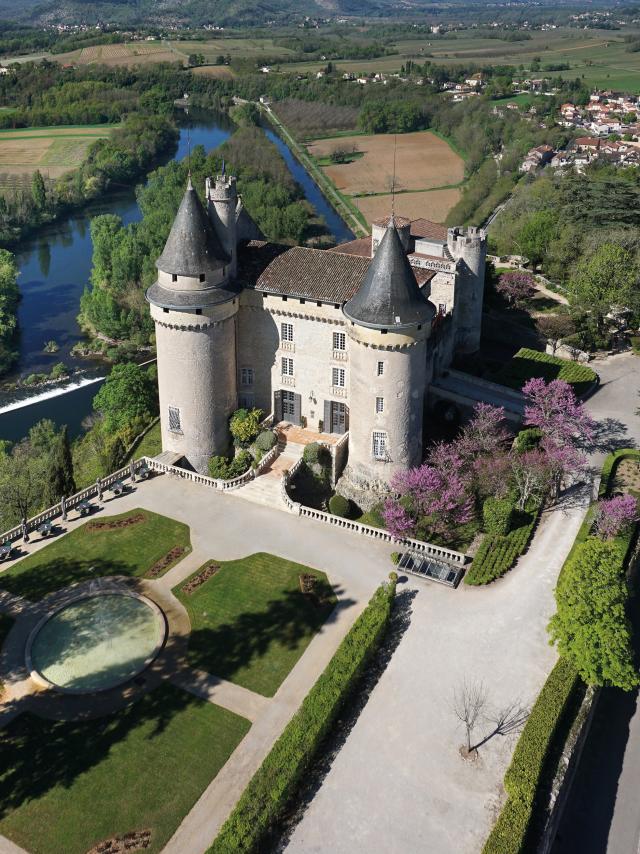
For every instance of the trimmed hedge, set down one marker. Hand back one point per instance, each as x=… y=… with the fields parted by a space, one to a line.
x=531 y=363
x=527 y=764
x=277 y=780
x=496 y=516
x=497 y=554
x=266 y=440
x=339 y=505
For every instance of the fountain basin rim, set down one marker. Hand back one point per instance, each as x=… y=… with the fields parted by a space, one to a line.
x=41 y=680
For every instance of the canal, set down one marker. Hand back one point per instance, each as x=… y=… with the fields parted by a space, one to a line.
x=55 y=267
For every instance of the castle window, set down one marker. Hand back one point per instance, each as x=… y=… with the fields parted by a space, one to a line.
x=198 y=311
x=202 y=277
x=442 y=308
x=379 y=404
x=246 y=376
x=338 y=377
x=380 y=369
x=379 y=445
x=174 y=277
x=339 y=341
x=288 y=404
x=286 y=331
x=287 y=367
x=175 y=425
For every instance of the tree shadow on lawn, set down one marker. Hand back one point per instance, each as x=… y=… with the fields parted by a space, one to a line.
x=36 y=754
x=230 y=647
x=328 y=751
x=35 y=582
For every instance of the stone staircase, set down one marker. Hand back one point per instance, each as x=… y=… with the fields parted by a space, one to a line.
x=265 y=489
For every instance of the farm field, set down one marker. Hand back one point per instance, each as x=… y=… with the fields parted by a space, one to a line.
x=598 y=56
x=247 y=48
x=430 y=204
x=129 y=53
x=423 y=162
x=221 y=72
x=53 y=151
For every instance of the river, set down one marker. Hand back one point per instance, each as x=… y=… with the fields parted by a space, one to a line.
x=54 y=269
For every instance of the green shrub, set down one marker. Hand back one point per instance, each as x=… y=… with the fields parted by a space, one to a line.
x=244 y=425
x=226 y=469
x=527 y=764
x=496 y=516
x=266 y=440
x=316 y=454
x=497 y=554
x=527 y=439
x=276 y=781
x=531 y=363
x=339 y=505
x=395 y=558
x=634 y=340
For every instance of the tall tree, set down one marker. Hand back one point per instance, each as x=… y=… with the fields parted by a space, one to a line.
x=608 y=277
x=591 y=627
x=38 y=191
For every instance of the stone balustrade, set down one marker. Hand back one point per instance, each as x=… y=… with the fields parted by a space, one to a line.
x=427 y=549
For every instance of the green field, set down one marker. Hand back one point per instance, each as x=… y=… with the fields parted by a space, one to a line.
x=66 y=786
x=83 y=554
x=598 y=56
x=250 y=622
x=52 y=150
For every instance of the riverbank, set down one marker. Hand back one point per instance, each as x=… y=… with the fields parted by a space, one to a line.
x=55 y=266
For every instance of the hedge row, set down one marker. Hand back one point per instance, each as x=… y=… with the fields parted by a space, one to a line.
x=278 y=778
x=532 y=363
x=527 y=764
x=497 y=554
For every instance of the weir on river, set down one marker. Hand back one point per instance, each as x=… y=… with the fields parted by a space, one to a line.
x=55 y=267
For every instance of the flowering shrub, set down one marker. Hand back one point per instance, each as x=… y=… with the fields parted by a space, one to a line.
x=516 y=286
x=615 y=514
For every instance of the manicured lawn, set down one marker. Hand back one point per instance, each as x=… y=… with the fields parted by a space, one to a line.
x=531 y=363
x=83 y=554
x=66 y=786
x=250 y=622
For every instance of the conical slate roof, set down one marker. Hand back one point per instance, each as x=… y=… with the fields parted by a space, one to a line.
x=389 y=296
x=192 y=247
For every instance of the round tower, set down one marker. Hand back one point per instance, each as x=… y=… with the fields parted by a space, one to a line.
x=222 y=203
x=468 y=246
x=389 y=324
x=194 y=307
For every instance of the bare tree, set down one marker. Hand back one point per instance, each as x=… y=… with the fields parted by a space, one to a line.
x=470 y=705
x=469 y=701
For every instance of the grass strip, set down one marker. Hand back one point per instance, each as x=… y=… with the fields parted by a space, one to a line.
x=278 y=778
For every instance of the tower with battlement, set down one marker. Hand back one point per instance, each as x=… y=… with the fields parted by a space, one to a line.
x=468 y=247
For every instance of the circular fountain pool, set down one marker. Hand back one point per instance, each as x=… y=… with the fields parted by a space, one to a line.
x=96 y=642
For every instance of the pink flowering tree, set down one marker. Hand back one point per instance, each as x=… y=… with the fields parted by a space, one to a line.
x=564 y=423
x=530 y=476
x=516 y=286
x=615 y=514
x=485 y=434
x=432 y=499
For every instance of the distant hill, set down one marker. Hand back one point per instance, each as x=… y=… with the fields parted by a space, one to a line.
x=193 y=12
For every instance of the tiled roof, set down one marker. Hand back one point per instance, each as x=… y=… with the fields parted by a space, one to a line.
x=254 y=257
x=400 y=221
x=314 y=274
x=427 y=229
x=361 y=247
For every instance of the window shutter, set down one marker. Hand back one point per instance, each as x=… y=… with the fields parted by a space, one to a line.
x=277 y=406
x=346 y=418
x=327 y=416
x=297 y=409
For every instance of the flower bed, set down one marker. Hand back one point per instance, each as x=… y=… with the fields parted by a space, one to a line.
x=275 y=782
x=115 y=524
x=162 y=565
x=204 y=575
